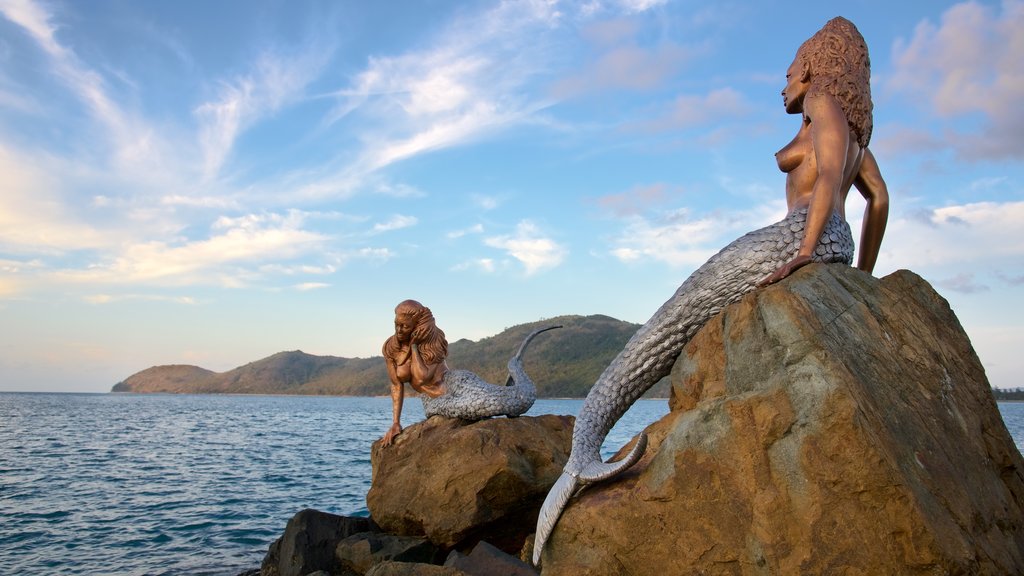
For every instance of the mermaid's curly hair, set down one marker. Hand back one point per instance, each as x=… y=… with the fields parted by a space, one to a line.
x=428 y=337
x=837 y=59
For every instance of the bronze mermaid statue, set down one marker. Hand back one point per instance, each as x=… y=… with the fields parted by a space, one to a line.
x=416 y=355
x=828 y=84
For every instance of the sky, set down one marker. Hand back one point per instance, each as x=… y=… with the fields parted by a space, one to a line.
x=210 y=183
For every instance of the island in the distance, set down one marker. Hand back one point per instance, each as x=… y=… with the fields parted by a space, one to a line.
x=564 y=365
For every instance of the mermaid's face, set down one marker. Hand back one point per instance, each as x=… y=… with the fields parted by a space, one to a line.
x=797 y=83
x=403 y=328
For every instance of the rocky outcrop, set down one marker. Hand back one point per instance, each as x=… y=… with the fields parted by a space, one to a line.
x=360 y=552
x=309 y=542
x=456 y=482
x=833 y=423
x=487 y=560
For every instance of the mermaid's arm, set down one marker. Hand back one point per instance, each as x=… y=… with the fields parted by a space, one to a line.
x=425 y=375
x=397 y=396
x=870 y=184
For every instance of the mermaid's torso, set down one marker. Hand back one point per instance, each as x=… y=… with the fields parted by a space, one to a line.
x=798 y=160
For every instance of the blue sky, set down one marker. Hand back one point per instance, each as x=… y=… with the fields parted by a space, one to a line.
x=213 y=182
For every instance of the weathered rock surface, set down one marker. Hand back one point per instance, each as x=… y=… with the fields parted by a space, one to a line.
x=392 y=568
x=456 y=482
x=309 y=541
x=360 y=552
x=487 y=560
x=832 y=424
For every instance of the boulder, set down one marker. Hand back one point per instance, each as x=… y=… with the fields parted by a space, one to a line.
x=831 y=424
x=487 y=560
x=392 y=568
x=309 y=543
x=360 y=552
x=457 y=482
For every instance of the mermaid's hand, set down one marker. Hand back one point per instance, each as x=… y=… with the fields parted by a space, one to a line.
x=785 y=270
x=388 y=438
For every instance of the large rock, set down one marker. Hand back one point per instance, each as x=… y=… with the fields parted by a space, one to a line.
x=831 y=424
x=456 y=482
x=486 y=560
x=360 y=552
x=309 y=541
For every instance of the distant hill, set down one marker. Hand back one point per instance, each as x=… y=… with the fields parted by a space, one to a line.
x=563 y=363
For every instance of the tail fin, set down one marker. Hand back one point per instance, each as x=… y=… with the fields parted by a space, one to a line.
x=597 y=471
x=555 y=502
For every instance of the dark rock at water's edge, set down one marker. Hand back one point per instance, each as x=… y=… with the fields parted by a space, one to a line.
x=309 y=543
x=563 y=364
x=456 y=482
x=320 y=544
x=833 y=423
x=488 y=560
x=360 y=552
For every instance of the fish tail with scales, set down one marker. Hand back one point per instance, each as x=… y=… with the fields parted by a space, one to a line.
x=650 y=353
x=469 y=397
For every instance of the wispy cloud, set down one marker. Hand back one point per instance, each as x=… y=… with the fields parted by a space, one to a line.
x=976 y=239
x=971 y=62
x=470 y=82
x=307 y=286
x=474 y=229
x=111 y=298
x=530 y=247
x=681 y=238
x=636 y=200
x=396 y=222
x=486 y=265
x=226 y=257
x=964 y=282
x=275 y=80
x=620 y=61
x=135 y=146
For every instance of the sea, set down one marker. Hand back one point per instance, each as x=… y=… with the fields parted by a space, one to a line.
x=126 y=484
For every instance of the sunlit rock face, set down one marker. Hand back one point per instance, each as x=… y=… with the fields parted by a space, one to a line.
x=832 y=424
x=456 y=483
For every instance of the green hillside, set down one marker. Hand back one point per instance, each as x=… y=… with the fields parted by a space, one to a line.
x=563 y=363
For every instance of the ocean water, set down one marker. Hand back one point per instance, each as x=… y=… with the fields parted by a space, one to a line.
x=181 y=484
x=177 y=484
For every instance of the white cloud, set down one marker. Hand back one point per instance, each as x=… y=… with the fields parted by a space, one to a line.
x=530 y=247
x=640 y=5
x=307 y=286
x=100 y=299
x=220 y=258
x=396 y=222
x=475 y=229
x=486 y=265
x=635 y=200
x=626 y=66
x=972 y=62
x=471 y=82
x=681 y=238
x=975 y=237
x=486 y=202
x=275 y=81
x=136 y=147
x=34 y=217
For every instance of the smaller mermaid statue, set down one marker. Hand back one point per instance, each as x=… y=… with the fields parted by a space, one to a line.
x=416 y=355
